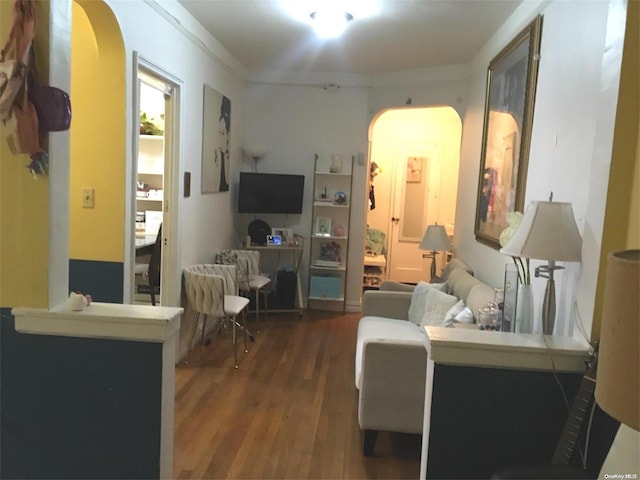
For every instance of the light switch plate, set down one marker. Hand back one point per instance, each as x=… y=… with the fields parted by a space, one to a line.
x=88 y=198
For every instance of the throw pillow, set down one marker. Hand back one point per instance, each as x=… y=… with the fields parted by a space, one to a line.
x=226 y=257
x=437 y=305
x=419 y=298
x=465 y=316
x=449 y=317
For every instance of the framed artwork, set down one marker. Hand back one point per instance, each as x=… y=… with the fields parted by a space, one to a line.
x=323 y=226
x=285 y=234
x=216 y=130
x=414 y=169
x=506 y=137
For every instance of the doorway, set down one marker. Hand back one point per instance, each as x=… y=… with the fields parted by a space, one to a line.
x=155 y=185
x=414 y=163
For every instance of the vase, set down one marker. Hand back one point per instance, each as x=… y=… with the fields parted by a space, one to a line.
x=524 y=309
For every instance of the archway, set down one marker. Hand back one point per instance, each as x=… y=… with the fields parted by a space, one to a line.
x=427 y=138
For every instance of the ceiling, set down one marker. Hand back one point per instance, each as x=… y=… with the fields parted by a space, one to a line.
x=404 y=35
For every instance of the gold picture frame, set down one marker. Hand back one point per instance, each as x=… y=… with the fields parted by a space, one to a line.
x=506 y=138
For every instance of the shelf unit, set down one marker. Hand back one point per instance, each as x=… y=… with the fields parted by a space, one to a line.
x=329 y=238
x=150 y=178
x=374 y=271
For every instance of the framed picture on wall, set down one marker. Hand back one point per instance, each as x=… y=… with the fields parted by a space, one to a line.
x=414 y=169
x=216 y=128
x=509 y=105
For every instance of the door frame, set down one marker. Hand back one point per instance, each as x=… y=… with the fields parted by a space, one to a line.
x=171 y=239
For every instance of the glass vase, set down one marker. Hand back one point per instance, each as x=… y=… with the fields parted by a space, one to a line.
x=524 y=309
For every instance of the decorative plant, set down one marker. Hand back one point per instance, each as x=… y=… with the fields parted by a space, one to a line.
x=522 y=265
x=151 y=126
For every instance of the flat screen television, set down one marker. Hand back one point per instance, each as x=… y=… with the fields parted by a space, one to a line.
x=270 y=193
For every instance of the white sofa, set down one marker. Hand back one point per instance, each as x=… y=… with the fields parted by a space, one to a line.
x=391 y=358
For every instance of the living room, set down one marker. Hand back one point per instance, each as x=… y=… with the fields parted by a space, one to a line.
x=579 y=120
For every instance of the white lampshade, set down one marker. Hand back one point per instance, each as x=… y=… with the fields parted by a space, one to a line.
x=435 y=238
x=618 y=377
x=548 y=231
x=256 y=152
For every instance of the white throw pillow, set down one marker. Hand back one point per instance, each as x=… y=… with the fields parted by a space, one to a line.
x=449 y=317
x=465 y=316
x=419 y=300
x=437 y=305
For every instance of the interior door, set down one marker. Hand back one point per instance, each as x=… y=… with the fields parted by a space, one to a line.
x=155 y=179
x=415 y=196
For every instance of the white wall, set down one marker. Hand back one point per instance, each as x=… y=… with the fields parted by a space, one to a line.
x=577 y=89
x=576 y=101
x=188 y=54
x=571 y=138
x=294 y=123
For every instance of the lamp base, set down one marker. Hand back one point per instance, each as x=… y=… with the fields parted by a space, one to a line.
x=549 y=302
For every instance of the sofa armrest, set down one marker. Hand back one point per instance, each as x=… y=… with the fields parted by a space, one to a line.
x=392 y=391
x=386 y=304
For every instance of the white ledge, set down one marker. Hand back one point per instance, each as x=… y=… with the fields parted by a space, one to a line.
x=140 y=323
x=477 y=348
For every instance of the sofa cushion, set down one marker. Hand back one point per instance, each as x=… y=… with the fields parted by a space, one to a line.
x=454 y=264
x=436 y=307
x=384 y=329
x=460 y=284
x=417 y=308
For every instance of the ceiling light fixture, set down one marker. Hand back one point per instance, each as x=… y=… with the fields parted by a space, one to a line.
x=330 y=22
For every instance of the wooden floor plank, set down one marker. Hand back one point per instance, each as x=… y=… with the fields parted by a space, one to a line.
x=288 y=411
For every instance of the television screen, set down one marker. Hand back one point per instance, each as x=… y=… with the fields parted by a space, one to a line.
x=270 y=193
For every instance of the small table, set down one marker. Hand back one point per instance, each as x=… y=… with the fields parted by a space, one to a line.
x=495 y=397
x=294 y=251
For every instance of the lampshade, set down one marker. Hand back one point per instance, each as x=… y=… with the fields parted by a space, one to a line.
x=618 y=377
x=548 y=231
x=435 y=238
x=256 y=152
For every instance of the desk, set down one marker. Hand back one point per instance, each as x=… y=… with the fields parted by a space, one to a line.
x=145 y=243
x=294 y=253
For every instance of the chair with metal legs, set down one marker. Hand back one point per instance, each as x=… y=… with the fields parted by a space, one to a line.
x=251 y=279
x=212 y=290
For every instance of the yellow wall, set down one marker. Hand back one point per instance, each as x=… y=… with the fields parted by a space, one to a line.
x=24 y=203
x=98 y=134
x=622 y=218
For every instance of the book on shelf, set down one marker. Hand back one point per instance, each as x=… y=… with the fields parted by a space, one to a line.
x=327 y=263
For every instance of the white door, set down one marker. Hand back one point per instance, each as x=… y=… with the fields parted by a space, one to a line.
x=155 y=179
x=415 y=196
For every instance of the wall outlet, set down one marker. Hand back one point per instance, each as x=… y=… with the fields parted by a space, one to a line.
x=87 y=198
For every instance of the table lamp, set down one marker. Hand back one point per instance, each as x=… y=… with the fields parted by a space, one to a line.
x=618 y=377
x=435 y=239
x=548 y=231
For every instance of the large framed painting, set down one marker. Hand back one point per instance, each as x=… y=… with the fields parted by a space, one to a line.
x=509 y=105
x=216 y=131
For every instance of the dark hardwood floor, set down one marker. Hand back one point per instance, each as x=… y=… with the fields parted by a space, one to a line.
x=289 y=410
